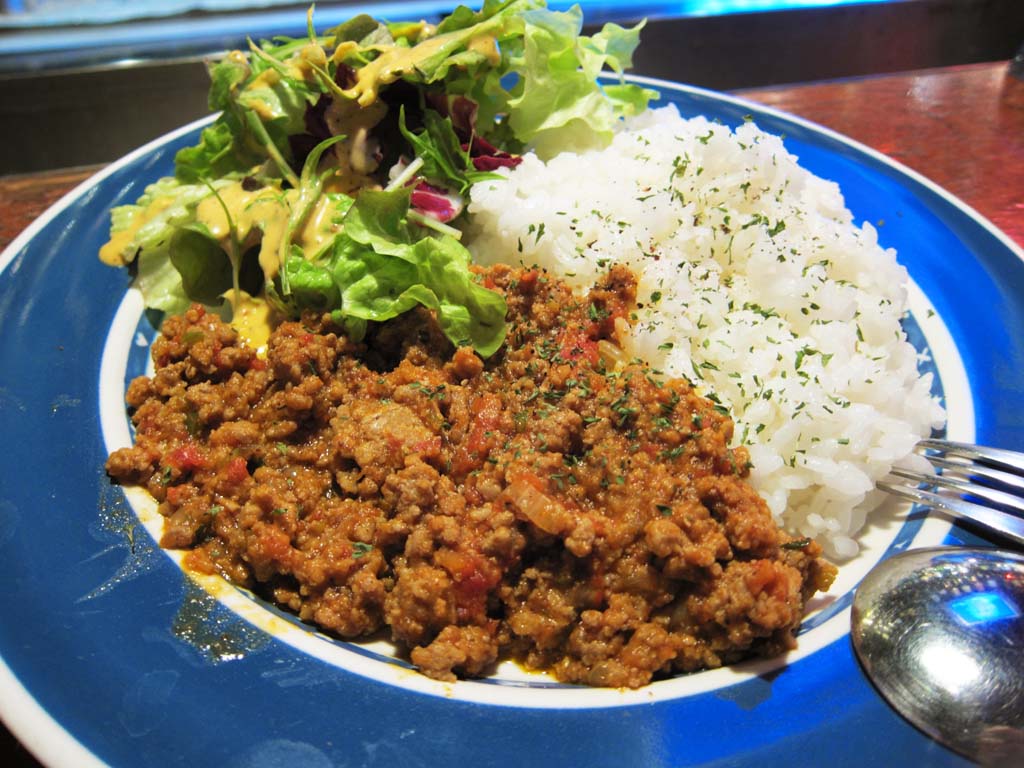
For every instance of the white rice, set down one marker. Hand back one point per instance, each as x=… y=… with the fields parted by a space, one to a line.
x=755 y=283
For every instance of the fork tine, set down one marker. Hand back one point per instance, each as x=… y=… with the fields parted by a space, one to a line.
x=991 y=519
x=1008 y=501
x=996 y=478
x=997 y=457
x=977 y=483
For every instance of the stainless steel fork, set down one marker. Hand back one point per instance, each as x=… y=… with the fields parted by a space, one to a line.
x=974 y=482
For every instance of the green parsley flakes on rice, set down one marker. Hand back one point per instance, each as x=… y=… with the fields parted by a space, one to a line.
x=755 y=284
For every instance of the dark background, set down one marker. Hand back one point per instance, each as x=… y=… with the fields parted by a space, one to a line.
x=62 y=108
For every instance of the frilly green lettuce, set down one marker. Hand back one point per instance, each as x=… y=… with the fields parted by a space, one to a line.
x=380 y=267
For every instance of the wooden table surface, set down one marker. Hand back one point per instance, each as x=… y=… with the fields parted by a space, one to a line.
x=961 y=127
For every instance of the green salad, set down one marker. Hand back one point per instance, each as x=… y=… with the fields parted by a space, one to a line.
x=336 y=175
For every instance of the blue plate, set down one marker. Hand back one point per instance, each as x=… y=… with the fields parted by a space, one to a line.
x=109 y=655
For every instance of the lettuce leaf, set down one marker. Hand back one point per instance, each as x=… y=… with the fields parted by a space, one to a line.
x=159 y=282
x=226 y=77
x=627 y=99
x=174 y=259
x=378 y=220
x=464 y=17
x=434 y=273
x=381 y=266
x=262 y=88
x=387 y=267
x=204 y=266
x=222 y=150
x=312 y=287
x=444 y=159
x=361 y=28
x=279 y=98
x=163 y=206
x=612 y=47
x=557 y=101
x=220 y=153
x=183 y=259
x=458 y=51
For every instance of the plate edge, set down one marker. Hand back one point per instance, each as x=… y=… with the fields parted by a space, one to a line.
x=37 y=730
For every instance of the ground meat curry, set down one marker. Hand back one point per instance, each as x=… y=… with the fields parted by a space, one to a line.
x=552 y=504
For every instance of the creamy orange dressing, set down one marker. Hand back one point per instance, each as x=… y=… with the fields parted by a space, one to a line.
x=266 y=79
x=311 y=55
x=263 y=215
x=113 y=252
x=396 y=61
x=319 y=228
x=487 y=46
x=252 y=213
x=252 y=318
x=300 y=67
x=354 y=155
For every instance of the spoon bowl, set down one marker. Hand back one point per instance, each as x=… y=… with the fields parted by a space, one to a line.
x=940 y=633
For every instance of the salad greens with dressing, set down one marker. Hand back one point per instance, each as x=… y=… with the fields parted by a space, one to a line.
x=335 y=176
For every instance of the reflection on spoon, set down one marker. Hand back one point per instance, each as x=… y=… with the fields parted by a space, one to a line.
x=940 y=632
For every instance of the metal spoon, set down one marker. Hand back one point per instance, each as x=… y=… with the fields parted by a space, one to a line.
x=940 y=632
